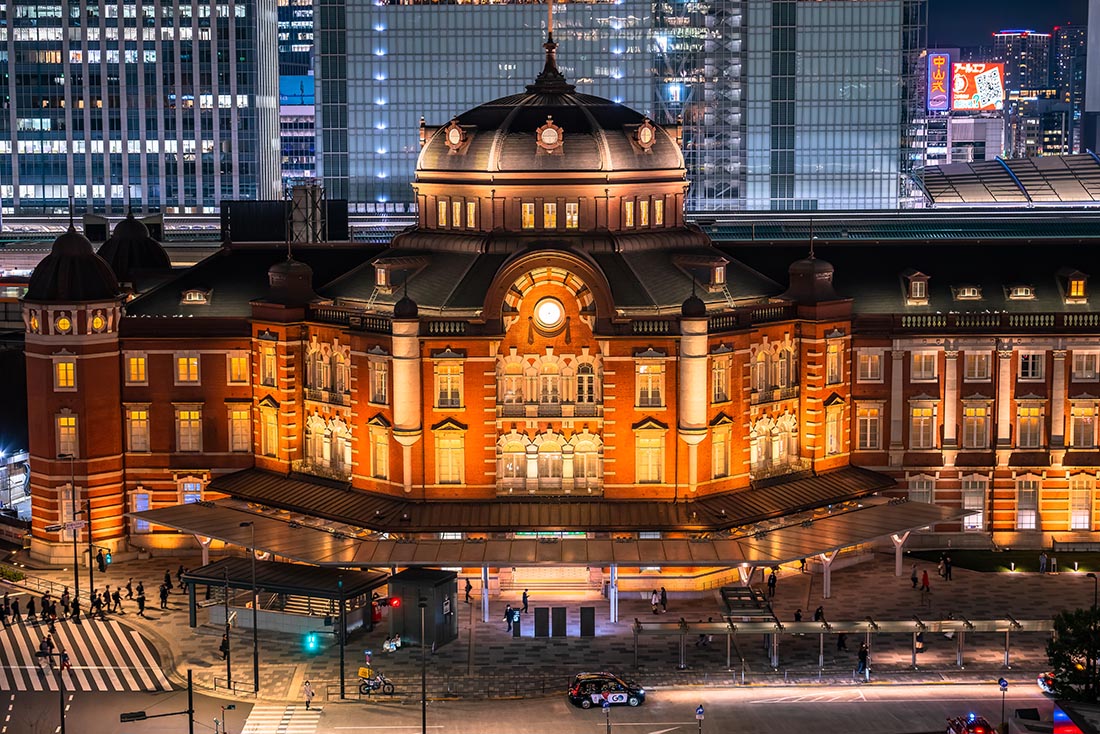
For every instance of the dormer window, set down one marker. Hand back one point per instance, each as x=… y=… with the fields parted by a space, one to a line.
x=382 y=277
x=1077 y=288
x=1074 y=285
x=1021 y=293
x=967 y=293
x=916 y=288
x=718 y=274
x=195 y=297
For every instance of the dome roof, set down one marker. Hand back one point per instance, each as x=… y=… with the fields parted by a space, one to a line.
x=72 y=272
x=131 y=248
x=593 y=134
x=693 y=307
x=405 y=309
x=811 y=281
x=291 y=283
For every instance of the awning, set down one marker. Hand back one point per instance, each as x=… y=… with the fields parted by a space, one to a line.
x=384 y=513
x=824 y=533
x=296 y=579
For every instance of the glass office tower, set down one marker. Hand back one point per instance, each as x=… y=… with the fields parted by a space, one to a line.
x=160 y=106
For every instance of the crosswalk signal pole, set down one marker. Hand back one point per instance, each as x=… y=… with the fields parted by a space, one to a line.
x=61 y=693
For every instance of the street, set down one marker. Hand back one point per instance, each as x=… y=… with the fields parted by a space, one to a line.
x=37 y=712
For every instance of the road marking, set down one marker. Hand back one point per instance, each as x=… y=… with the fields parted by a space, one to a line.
x=368 y=728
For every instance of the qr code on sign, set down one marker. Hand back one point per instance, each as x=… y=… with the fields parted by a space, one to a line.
x=989 y=88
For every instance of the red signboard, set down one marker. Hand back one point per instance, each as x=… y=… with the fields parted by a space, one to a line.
x=977 y=87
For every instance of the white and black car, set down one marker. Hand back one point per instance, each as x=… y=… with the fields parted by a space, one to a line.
x=592 y=689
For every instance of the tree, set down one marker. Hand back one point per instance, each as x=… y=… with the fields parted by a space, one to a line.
x=1072 y=653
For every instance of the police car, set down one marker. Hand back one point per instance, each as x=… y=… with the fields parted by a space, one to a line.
x=592 y=689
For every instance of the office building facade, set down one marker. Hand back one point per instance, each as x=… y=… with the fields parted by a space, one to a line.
x=1026 y=56
x=1068 y=69
x=114 y=105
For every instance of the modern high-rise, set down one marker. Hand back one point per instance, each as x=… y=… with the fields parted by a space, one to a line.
x=1026 y=56
x=113 y=105
x=295 y=37
x=756 y=135
x=1067 y=71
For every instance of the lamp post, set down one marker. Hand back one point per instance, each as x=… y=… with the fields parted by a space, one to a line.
x=1092 y=638
x=72 y=510
x=255 y=602
x=423 y=604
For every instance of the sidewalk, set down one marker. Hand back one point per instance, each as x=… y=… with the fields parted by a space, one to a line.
x=486 y=660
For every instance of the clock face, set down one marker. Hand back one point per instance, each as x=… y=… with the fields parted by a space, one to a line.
x=549 y=136
x=98 y=323
x=63 y=324
x=454 y=136
x=34 y=323
x=645 y=135
x=549 y=313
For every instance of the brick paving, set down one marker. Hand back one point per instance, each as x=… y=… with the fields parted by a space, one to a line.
x=490 y=662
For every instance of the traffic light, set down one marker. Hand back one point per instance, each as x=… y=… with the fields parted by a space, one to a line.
x=107 y=558
x=313 y=644
x=389 y=601
x=395 y=601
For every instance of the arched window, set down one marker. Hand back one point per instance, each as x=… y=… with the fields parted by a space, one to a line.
x=586 y=383
x=511 y=384
x=512 y=471
x=549 y=384
x=786 y=440
x=783 y=368
x=549 y=465
x=586 y=465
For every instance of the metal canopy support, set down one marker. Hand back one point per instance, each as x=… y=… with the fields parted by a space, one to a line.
x=744 y=573
x=899 y=551
x=204 y=543
x=485 y=594
x=683 y=646
x=775 y=647
x=827 y=573
x=959 y=648
x=613 y=594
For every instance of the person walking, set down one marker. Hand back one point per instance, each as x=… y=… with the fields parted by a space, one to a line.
x=469 y=588
x=664 y=600
x=941 y=568
x=140 y=602
x=101 y=561
x=130 y=588
x=75 y=615
x=525 y=597
x=655 y=601
x=106 y=600
x=65 y=663
x=32 y=614
x=168 y=579
x=1043 y=562
x=508 y=616
x=819 y=614
x=772 y=581
x=179 y=576
x=947 y=567
x=924 y=585
x=141 y=587
x=224 y=647
x=308 y=694
x=15 y=615
x=4 y=612
x=116 y=599
x=164 y=595
x=863 y=654
x=798 y=615
x=914 y=577
x=65 y=599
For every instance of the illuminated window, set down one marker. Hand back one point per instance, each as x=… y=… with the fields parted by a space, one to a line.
x=379 y=382
x=137 y=429
x=973 y=491
x=549 y=384
x=643 y=213
x=442 y=206
x=923 y=367
x=471 y=215
x=1080 y=502
x=549 y=215
x=1082 y=426
x=1084 y=366
x=870 y=366
x=918 y=289
x=719 y=380
x=572 y=215
x=448 y=385
x=187 y=369
x=456 y=213
x=650 y=454
x=834 y=430
x=269 y=433
x=450 y=447
x=135 y=370
x=140 y=503
x=1031 y=366
x=976 y=366
x=659 y=212
x=832 y=364
x=190 y=490
x=380 y=454
x=1029 y=427
x=527 y=215
x=66 y=434
x=240 y=430
x=238 y=368
x=1077 y=288
x=1027 y=504
x=922 y=423
x=267 y=366
x=650 y=377
x=586 y=383
x=628 y=214
x=720 y=452
x=188 y=429
x=975 y=427
x=511 y=384
x=868 y=427
x=64 y=374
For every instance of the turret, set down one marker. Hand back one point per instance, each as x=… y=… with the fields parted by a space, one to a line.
x=692 y=426
x=407 y=427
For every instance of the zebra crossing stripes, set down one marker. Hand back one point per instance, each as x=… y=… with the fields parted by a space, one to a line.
x=282 y=720
x=105 y=656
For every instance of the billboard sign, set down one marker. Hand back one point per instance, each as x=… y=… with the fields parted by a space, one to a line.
x=977 y=87
x=939 y=81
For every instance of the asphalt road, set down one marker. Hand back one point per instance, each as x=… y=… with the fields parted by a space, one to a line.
x=98 y=712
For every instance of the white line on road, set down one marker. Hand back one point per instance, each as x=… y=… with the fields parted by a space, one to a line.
x=367 y=728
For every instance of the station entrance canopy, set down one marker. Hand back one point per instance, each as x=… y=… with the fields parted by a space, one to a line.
x=826 y=531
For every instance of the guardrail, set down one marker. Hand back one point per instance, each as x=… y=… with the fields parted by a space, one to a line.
x=238 y=688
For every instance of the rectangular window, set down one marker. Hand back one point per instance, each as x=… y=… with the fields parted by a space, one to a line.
x=456 y=213
x=471 y=215
x=628 y=214
x=190 y=492
x=868 y=423
x=137 y=423
x=659 y=212
x=135 y=370
x=1080 y=503
x=651 y=383
x=269 y=433
x=921 y=490
x=441 y=208
x=188 y=429
x=66 y=435
x=449 y=452
x=379 y=382
x=380 y=456
x=650 y=458
x=975 y=427
x=1029 y=427
x=527 y=215
x=918 y=289
x=921 y=428
x=720 y=452
x=719 y=380
x=448 y=385
x=834 y=430
x=1027 y=504
x=1084 y=366
x=973 y=497
x=141 y=504
x=549 y=215
x=1082 y=428
x=64 y=374
x=238 y=369
x=240 y=430
x=976 y=366
x=643 y=213
x=187 y=369
x=572 y=215
x=1077 y=288
x=923 y=367
x=832 y=364
x=1031 y=366
x=267 y=366
x=870 y=366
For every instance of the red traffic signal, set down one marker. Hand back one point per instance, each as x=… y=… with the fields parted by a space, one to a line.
x=395 y=601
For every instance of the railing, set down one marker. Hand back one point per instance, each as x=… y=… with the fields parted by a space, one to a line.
x=444 y=328
x=350 y=317
x=772 y=394
x=766 y=471
x=238 y=687
x=40 y=585
x=653 y=326
x=993 y=321
x=549 y=410
x=586 y=410
x=513 y=410
x=328 y=396
x=305 y=466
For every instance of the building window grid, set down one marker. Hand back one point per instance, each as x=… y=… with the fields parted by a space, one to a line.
x=1080 y=503
x=135 y=370
x=471 y=215
x=720 y=452
x=922 y=489
x=448 y=385
x=1031 y=366
x=188 y=429
x=64 y=375
x=449 y=456
x=267 y=366
x=973 y=501
x=238 y=369
x=187 y=369
x=140 y=502
x=922 y=427
x=380 y=454
x=976 y=366
x=650 y=458
x=66 y=435
x=1029 y=427
x=975 y=427
x=720 y=380
x=1085 y=366
x=240 y=430
x=137 y=422
x=1082 y=426
x=572 y=215
x=923 y=367
x=527 y=215
x=833 y=371
x=549 y=215
x=834 y=431
x=869 y=427
x=870 y=366
x=1027 y=504
x=379 y=382
x=651 y=383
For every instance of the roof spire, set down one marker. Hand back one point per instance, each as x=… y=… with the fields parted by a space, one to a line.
x=550 y=79
x=812 y=238
x=550 y=20
x=72 y=226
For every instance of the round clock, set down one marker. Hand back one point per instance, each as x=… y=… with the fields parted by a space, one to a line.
x=645 y=135
x=98 y=322
x=64 y=324
x=454 y=136
x=34 y=323
x=549 y=313
x=549 y=136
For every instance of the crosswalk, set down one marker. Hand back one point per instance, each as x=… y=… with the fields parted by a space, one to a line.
x=282 y=720
x=105 y=656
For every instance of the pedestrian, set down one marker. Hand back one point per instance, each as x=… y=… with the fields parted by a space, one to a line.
x=101 y=561
x=914 y=577
x=1043 y=562
x=224 y=647
x=802 y=566
x=841 y=642
x=307 y=693
x=32 y=614
x=140 y=603
x=664 y=600
x=920 y=642
x=469 y=588
x=525 y=601
x=798 y=615
x=43 y=655
x=116 y=599
x=924 y=586
x=164 y=596
x=130 y=588
x=4 y=612
x=772 y=581
x=179 y=576
x=15 y=615
x=106 y=601
x=819 y=614
x=862 y=658
x=947 y=567
x=655 y=601
x=508 y=616
x=97 y=608
x=44 y=607
x=65 y=664
x=141 y=587
x=65 y=599
x=75 y=611
x=941 y=568
x=168 y=579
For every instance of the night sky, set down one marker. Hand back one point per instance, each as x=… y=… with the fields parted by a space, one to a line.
x=972 y=22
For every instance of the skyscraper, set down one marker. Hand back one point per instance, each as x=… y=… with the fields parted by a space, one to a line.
x=1026 y=56
x=113 y=105
x=755 y=136
x=1067 y=70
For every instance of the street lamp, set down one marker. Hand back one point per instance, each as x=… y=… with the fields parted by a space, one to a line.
x=72 y=511
x=423 y=604
x=255 y=602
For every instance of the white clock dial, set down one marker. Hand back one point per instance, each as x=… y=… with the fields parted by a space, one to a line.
x=549 y=136
x=645 y=135
x=549 y=313
x=454 y=135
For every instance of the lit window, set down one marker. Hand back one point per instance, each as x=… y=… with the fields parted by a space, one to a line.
x=923 y=367
x=267 y=366
x=968 y=293
x=1077 y=288
x=1082 y=429
x=870 y=366
x=190 y=491
x=379 y=383
x=442 y=206
x=643 y=213
x=137 y=424
x=651 y=385
x=586 y=384
x=456 y=213
x=240 y=430
x=448 y=385
x=64 y=374
x=549 y=384
x=141 y=503
x=527 y=215
x=973 y=491
x=918 y=289
x=868 y=424
x=975 y=427
x=1080 y=502
x=238 y=368
x=976 y=366
x=66 y=435
x=659 y=212
x=1084 y=366
x=834 y=430
x=628 y=214
x=921 y=428
x=450 y=448
x=269 y=433
x=135 y=370
x=832 y=364
x=187 y=369
x=549 y=215
x=719 y=372
x=1029 y=427
x=471 y=215
x=380 y=454
x=650 y=457
x=188 y=429
x=720 y=451
x=1021 y=293
x=1027 y=504
x=572 y=215
x=1031 y=366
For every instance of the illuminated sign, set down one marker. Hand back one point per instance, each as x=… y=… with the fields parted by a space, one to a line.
x=939 y=81
x=977 y=87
